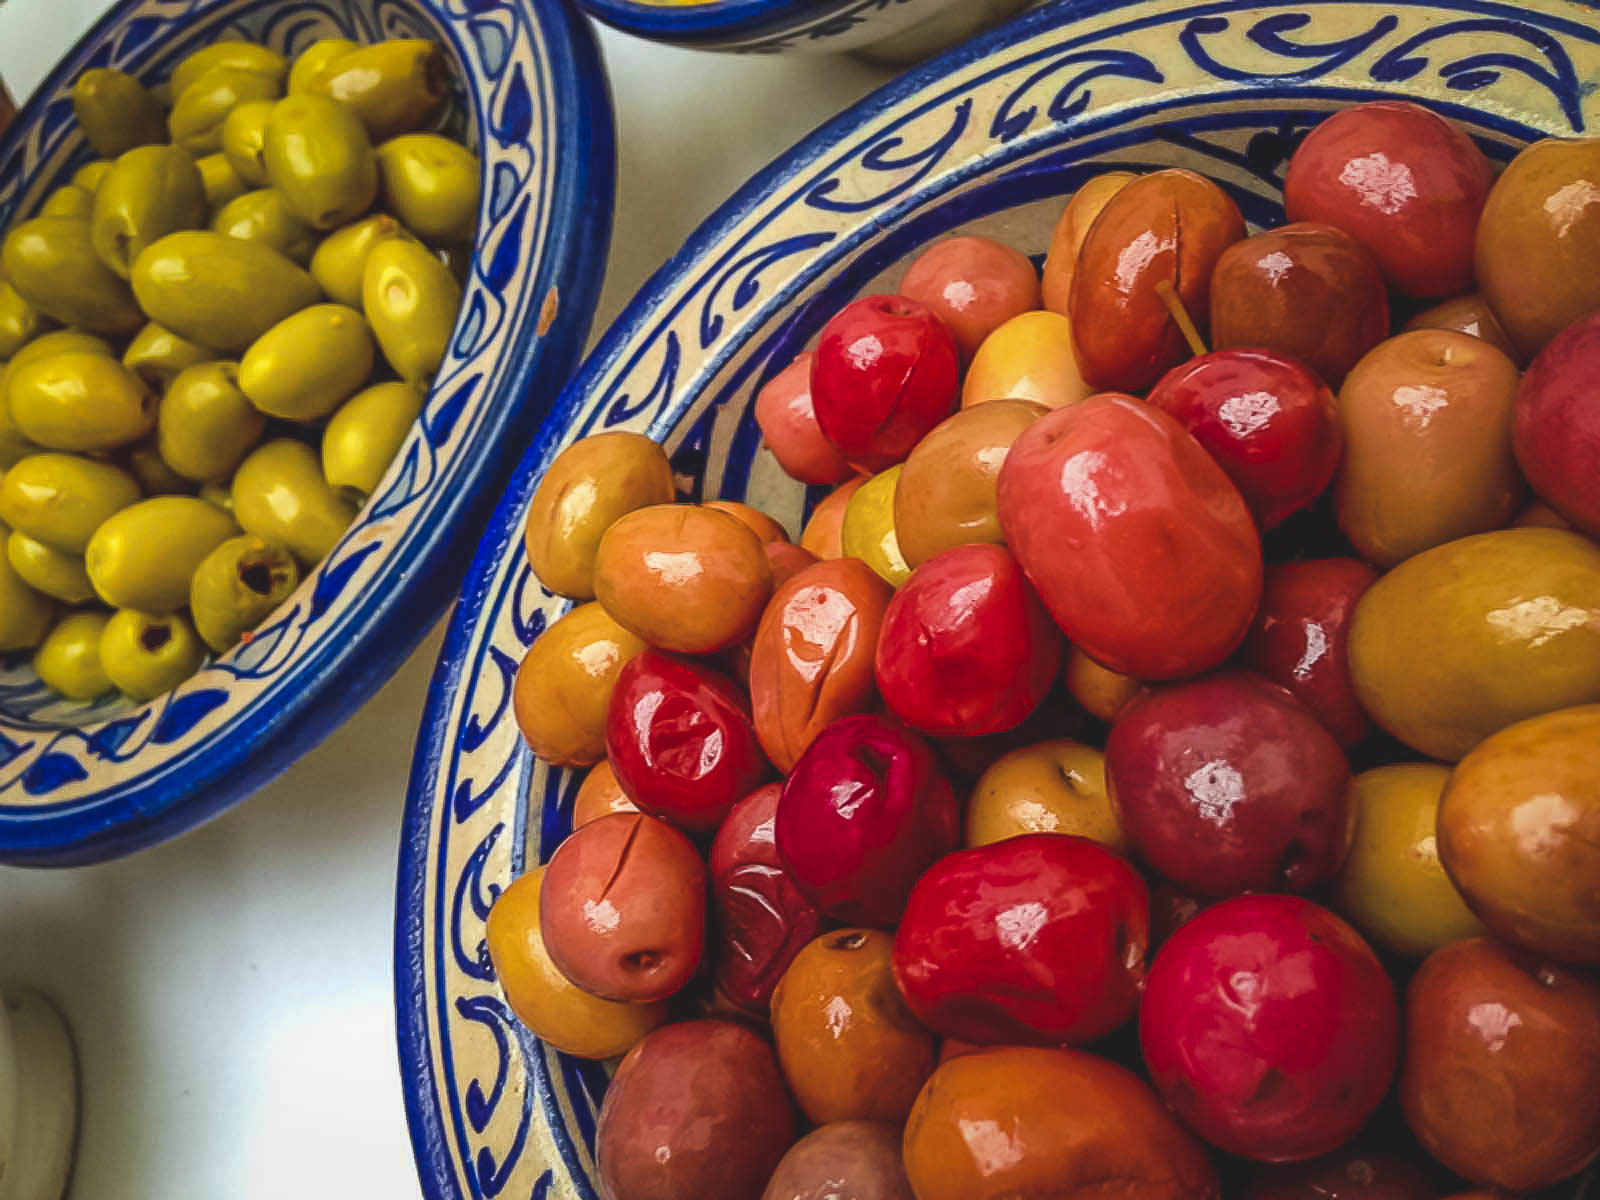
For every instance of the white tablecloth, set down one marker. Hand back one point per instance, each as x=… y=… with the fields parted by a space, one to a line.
x=232 y=992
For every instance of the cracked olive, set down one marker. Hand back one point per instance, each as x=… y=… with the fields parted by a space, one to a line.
x=150 y=192
x=157 y=355
x=411 y=300
x=394 y=86
x=237 y=586
x=144 y=556
x=195 y=121
x=220 y=181
x=61 y=499
x=47 y=570
x=340 y=259
x=147 y=654
x=318 y=154
x=219 y=291
x=244 y=137
x=52 y=263
x=279 y=494
x=206 y=425
x=315 y=59
x=432 y=184
x=116 y=112
x=309 y=363
x=79 y=402
x=366 y=433
x=264 y=216
x=68 y=659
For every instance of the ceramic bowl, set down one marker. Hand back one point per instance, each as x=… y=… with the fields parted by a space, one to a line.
x=79 y=783
x=989 y=138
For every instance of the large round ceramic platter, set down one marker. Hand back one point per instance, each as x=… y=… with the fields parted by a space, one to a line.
x=989 y=138
x=78 y=782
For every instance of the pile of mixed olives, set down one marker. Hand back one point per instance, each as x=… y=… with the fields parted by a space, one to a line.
x=1168 y=763
x=213 y=341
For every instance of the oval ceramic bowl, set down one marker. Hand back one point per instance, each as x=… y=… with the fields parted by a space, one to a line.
x=989 y=138
x=82 y=783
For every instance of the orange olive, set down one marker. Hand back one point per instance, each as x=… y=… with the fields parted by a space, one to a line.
x=824 y=532
x=1067 y=240
x=1103 y=692
x=787 y=560
x=563 y=686
x=1469 y=314
x=1050 y=787
x=764 y=527
x=599 y=795
x=1030 y=357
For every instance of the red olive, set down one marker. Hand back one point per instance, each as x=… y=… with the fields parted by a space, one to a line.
x=974 y=285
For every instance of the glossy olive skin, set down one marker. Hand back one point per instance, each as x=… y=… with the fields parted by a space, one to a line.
x=237 y=586
x=1072 y=227
x=251 y=57
x=1228 y=783
x=812 y=660
x=599 y=794
x=309 y=363
x=1403 y=181
x=788 y=421
x=1501 y=1081
x=623 y=908
x=849 y=1047
x=59 y=341
x=823 y=534
x=89 y=176
x=157 y=356
x=18 y=321
x=1427 y=421
x=264 y=216
x=432 y=185
x=1355 y=1172
x=1474 y=635
x=564 y=684
x=767 y=529
x=1540 y=219
x=1393 y=886
x=1030 y=357
x=1300 y=639
x=339 y=261
x=867 y=531
x=1307 y=291
x=1517 y=833
x=68 y=200
x=684 y=578
x=146 y=655
x=1270 y=1028
x=411 y=300
x=79 y=401
x=279 y=494
x=762 y=919
x=195 y=122
x=47 y=570
x=25 y=615
x=318 y=154
x=1557 y=425
x=1124 y=332
x=144 y=556
x=555 y=1009
x=1470 y=314
x=364 y=435
x=843 y=1160
x=61 y=499
x=314 y=59
x=394 y=85
x=1090 y=1127
x=220 y=181
x=1073 y=976
x=116 y=112
x=149 y=192
x=68 y=659
x=1057 y=786
x=51 y=262
x=144 y=463
x=219 y=291
x=696 y=1109
x=945 y=496
x=974 y=285
x=244 y=140
x=206 y=425
x=864 y=812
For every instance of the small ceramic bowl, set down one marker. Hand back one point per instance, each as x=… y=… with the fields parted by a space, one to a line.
x=79 y=783
x=990 y=138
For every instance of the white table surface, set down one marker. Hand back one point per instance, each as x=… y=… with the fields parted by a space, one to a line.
x=231 y=992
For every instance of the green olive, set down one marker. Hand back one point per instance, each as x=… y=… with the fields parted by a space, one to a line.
x=250 y=57
x=150 y=192
x=49 y=571
x=220 y=180
x=366 y=433
x=146 y=655
x=432 y=184
x=116 y=112
x=279 y=494
x=243 y=134
x=219 y=291
x=206 y=426
x=155 y=476
x=195 y=121
x=341 y=257
x=61 y=341
x=319 y=155
x=24 y=614
x=394 y=86
x=315 y=59
x=79 y=402
x=13 y=446
x=89 y=175
x=156 y=355
x=237 y=587
x=61 y=499
x=411 y=300
x=52 y=263
x=219 y=495
x=20 y=322
x=265 y=216
x=143 y=556
x=309 y=363
x=68 y=200
x=68 y=659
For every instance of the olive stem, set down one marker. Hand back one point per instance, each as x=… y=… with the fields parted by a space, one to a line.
x=1180 y=315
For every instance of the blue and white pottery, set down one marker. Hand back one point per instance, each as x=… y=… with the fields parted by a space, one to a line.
x=990 y=138
x=80 y=783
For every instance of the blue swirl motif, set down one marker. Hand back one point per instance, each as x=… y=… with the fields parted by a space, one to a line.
x=1072 y=96
x=493 y=1175
x=1311 y=60
x=892 y=168
x=840 y=23
x=748 y=269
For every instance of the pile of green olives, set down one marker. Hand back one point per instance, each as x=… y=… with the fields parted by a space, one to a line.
x=213 y=341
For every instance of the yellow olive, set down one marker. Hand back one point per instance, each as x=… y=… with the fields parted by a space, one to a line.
x=89 y=175
x=147 y=654
x=366 y=433
x=340 y=260
x=24 y=614
x=218 y=495
x=318 y=154
x=68 y=200
x=150 y=192
x=155 y=476
x=116 y=112
x=206 y=426
x=309 y=363
x=61 y=499
x=868 y=532
x=156 y=355
x=264 y=216
x=411 y=301
x=144 y=556
x=315 y=59
x=244 y=137
x=195 y=121
x=279 y=494
x=219 y=291
x=79 y=402
x=49 y=571
x=20 y=322
x=68 y=659
x=61 y=341
x=250 y=57
x=432 y=184
x=220 y=180
x=52 y=263
x=237 y=586
x=393 y=86
x=1049 y=787
x=564 y=684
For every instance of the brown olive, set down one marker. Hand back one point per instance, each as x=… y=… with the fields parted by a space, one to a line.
x=843 y=1160
x=563 y=686
x=1469 y=314
x=1066 y=242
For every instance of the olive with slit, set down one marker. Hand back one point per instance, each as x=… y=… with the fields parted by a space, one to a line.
x=47 y=570
x=24 y=614
x=309 y=363
x=315 y=59
x=220 y=181
x=150 y=192
x=153 y=472
x=79 y=402
x=68 y=200
x=279 y=494
x=219 y=291
x=237 y=586
x=89 y=175
x=195 y=122
x=394 y=86
x=264 y=216
x=318 y=154
x=206 y=425
x=116 y=112
x=366 y=433
x=147 y=654
x=20 y=322
x=68 y=659
x=156 y=355
x=244 y=137
x=432 y=184
x=249 y=57
x=52 y=263
x=340 y=259
x=61 y=499
x=411 y=301
x=144 y=556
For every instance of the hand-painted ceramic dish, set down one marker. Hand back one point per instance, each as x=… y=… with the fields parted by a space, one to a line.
x=82 y=783
x=989 y=138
